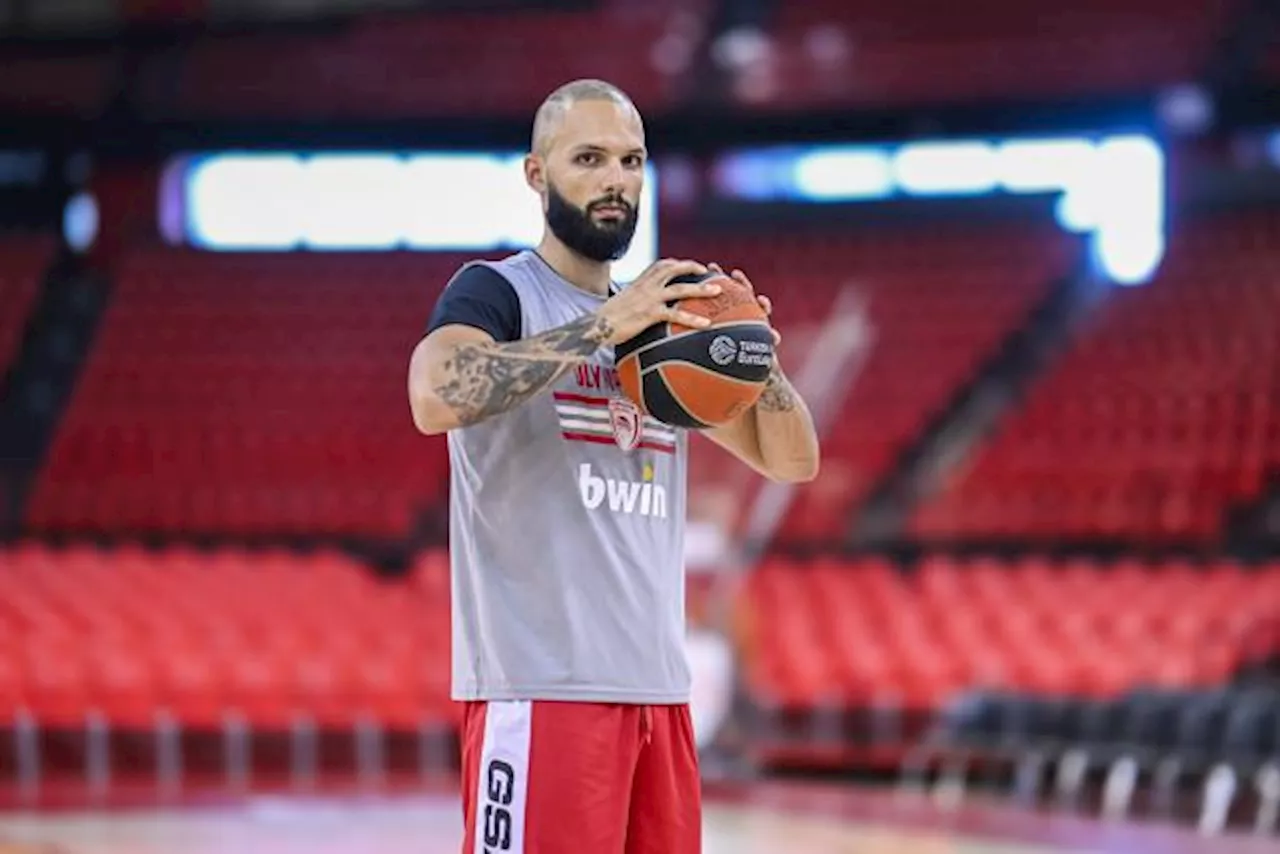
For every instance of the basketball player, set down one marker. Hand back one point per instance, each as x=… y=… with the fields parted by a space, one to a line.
x=567 y=550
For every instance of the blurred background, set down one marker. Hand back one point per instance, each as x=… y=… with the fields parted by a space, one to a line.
x=1025 y=258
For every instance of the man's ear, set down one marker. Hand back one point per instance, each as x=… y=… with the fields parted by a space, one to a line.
x=535 y=173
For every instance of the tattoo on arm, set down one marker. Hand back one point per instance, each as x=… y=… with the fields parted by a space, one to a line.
x=778 y=394
x=484 y=379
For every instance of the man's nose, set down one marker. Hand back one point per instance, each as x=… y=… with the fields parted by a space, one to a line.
x=614 y=180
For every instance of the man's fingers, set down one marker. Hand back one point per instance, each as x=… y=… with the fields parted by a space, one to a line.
x=682 y=268
x=665 y=269
x=685 y=318
x=702 y=289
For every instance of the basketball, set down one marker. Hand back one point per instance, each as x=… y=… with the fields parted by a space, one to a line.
x=699 y=378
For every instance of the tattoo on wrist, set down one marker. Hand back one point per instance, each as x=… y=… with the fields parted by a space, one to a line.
x=485 y=379
x=778 y=394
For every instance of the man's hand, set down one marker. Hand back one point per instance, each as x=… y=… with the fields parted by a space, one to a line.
x=644 y=302
x=776 y=437
x=765 y=303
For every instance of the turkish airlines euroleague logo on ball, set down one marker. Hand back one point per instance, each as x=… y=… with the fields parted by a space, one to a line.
x=725 y=350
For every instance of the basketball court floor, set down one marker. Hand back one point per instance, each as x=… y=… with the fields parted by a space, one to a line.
x=765 y=819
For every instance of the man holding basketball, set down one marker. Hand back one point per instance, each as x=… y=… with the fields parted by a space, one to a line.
x=566 y=545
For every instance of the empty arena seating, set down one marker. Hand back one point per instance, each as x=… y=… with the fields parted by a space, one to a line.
x=250 y=395
x=833 y=53
x=270 y=635
x=940 y=300
x=832 y=632
x=452 y=63
x=1159 y=417
x=276 y=636
x=23 y=259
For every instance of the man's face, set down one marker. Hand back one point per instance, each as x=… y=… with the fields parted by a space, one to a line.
x=593 y=173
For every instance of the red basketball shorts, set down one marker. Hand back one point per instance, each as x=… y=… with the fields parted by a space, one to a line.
x=542 y=777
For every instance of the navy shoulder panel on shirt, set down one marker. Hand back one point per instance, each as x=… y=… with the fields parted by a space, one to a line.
x=482 y=297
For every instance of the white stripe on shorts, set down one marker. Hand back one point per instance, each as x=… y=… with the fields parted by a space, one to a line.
x=504 y=777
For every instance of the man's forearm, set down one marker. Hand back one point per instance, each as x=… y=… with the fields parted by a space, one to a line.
x=480 y=380
x=785 y=430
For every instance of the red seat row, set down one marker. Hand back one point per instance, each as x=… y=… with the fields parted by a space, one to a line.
x=836 y=54
x=851 y=632
x=819 y=54
x=270 y=634
x=267 y=634
x=453 y=63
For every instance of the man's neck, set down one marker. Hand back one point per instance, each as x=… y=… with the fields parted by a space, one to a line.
x=590 y=276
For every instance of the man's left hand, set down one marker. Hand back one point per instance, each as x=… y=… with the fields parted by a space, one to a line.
x=765 y=303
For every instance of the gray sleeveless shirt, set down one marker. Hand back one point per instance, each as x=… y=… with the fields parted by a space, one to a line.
x=566 y=526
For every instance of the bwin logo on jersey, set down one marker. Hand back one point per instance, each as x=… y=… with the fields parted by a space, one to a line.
x=623 y=496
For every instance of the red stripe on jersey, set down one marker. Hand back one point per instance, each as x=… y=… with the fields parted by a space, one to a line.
x=588 y=437
x=569 y=397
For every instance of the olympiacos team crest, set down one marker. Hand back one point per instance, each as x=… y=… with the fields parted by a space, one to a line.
x=627 y=422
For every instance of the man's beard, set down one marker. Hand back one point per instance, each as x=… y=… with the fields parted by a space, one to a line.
x=606 y=240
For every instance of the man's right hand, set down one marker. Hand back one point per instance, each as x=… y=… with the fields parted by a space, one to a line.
x=644 y=302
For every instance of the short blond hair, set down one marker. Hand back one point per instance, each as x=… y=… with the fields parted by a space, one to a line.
x=552 y=110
